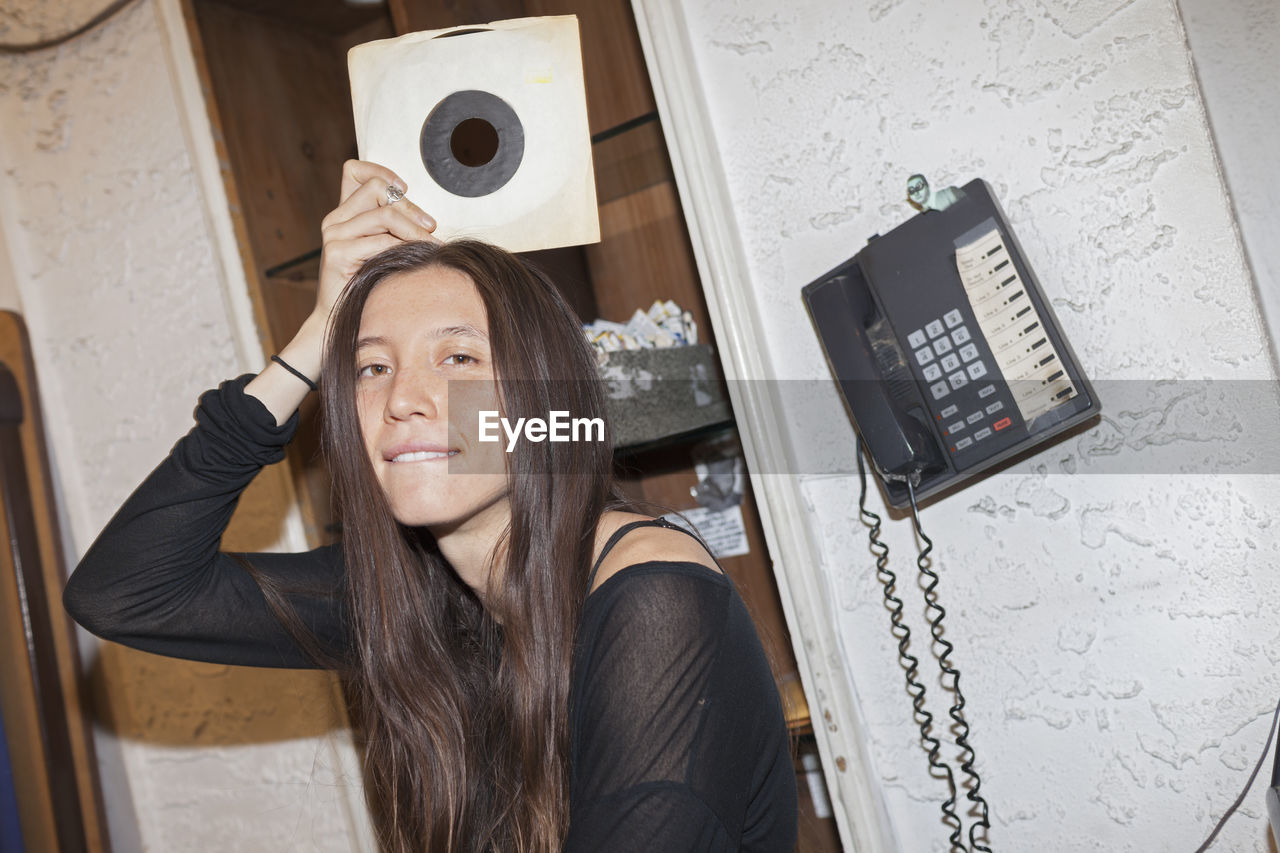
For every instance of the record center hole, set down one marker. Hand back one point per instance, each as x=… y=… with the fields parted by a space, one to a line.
x=474 y=142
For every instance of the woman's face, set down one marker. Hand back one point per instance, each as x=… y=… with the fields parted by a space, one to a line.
x=420 y=334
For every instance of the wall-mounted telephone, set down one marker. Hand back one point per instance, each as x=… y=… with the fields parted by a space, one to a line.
x=944 y=348
x=950 y=361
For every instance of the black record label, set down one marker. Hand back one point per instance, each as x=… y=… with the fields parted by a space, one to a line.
x=472 y=143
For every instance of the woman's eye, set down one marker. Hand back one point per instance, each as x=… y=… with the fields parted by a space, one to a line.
x=460 y=358
x=375 y=370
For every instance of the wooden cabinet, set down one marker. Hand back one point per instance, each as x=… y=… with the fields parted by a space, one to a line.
x=277 y=91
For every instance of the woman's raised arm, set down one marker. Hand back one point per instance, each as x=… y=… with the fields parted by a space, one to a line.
x=155 y=578
x=366 y=221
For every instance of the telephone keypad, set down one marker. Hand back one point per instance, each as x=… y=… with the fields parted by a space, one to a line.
x=945 y=348
x=963 y=365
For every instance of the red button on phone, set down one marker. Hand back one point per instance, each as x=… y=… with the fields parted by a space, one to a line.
x=1001 y=424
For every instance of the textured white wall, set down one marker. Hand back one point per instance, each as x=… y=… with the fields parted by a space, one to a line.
x=1116 y=656
x=1111 y=599
x=115 y=269
x=1234 y=45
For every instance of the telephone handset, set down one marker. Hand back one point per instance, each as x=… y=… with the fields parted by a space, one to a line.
x=874 y=378
x=944 y=348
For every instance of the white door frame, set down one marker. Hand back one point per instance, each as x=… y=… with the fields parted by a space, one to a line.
x=840 y=729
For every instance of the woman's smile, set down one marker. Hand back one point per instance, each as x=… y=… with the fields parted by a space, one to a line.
x=423 y=455
x=419 y=452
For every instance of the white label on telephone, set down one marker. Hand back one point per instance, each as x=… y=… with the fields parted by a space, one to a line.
x=1012 y=327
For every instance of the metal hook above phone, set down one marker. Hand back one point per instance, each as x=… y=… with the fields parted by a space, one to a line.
x=923 y=198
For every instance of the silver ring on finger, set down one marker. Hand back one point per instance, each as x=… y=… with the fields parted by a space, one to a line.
x=394 y=193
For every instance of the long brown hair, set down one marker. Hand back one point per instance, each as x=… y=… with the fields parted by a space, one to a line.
x=464 y=711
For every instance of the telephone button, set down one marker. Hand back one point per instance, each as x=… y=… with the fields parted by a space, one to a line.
x=982 y=433
x=924 y=356
x=949 y=411
x=952 y=318
x=955 y=427
x=986 y=391
x=974 y=418
x=959 y=336
x=995 y=407
x=934 y=329
x=939 y=390
x=941 y=345
x=958 y=380
x=950 y=362
x=933 y=373
x=916 y=339
x=977 y=370
x=963 y=443
x=968 y=352
x=1001 y=424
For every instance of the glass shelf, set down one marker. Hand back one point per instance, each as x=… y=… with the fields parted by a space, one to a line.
x=305 y=266
x=628 y=158
x=686 y=436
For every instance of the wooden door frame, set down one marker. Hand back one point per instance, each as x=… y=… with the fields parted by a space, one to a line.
x=841 y=731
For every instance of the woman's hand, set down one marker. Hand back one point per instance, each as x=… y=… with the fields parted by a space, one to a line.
x=365 y=222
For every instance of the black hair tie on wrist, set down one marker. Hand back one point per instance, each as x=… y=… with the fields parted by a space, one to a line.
x=289 y=367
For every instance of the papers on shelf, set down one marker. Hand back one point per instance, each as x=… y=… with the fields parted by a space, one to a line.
x=663 y=325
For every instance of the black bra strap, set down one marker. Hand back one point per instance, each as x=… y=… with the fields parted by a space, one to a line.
x=627 y=528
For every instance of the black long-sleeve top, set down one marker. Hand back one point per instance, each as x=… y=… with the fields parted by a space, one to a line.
x=677 y=736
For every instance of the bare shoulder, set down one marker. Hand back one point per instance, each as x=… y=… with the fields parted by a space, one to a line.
x=643 y=545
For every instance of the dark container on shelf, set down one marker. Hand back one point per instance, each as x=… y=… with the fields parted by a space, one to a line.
x=656 y=394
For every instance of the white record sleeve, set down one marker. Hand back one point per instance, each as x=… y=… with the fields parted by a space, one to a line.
x=418 y=98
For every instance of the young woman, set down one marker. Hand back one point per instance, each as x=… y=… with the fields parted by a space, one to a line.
x=531 y=669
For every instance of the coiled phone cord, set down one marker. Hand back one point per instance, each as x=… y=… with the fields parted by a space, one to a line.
x=909 y=662
x=960 y=726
